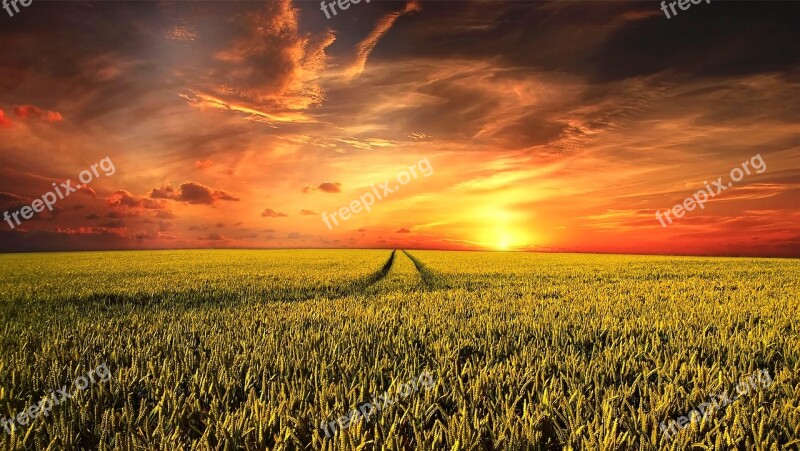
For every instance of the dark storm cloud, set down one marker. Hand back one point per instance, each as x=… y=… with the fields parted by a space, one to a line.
x=607 y=40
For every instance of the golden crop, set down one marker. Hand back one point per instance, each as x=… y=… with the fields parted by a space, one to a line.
x=253 y=350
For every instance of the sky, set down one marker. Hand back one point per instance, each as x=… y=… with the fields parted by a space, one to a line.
x=530 y=125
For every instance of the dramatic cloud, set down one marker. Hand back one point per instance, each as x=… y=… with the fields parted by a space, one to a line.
x=269 y=72
x=552 y=125
x=365 y=47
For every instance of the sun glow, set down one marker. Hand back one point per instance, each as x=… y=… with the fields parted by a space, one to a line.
x=505 y=239
x=503 y=231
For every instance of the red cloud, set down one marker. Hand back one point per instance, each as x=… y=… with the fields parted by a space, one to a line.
x=4 y=121
x=404 y=230
x=25 y=111
x=191 y=193
x=203 y=164
x=307 y=213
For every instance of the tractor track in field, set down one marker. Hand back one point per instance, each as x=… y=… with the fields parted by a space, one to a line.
x=363 y=286
x=358 y=286
x=378 y=275
x=428 y=278
x=109 y=300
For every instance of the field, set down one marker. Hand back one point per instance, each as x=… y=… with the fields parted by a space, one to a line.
x=255 y=350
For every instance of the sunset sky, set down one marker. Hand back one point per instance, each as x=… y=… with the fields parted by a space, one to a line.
x=549 y=126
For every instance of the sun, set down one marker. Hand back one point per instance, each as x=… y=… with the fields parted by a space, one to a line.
x=504 y=239
x=500 y=229
x=504 y=242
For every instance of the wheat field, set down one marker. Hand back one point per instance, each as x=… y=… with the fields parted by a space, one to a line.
x=254 y=350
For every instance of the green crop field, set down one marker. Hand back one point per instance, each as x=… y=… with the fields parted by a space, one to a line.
x=254 y=350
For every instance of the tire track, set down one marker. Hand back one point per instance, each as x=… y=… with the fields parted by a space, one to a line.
x=355 y=287
x=361 y=286
x=379 y=274
x=428 y=278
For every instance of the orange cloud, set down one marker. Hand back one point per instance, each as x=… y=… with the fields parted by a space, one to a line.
x=326 y=187
x=26 y=111
x=124 y=198
x=270 y=213
x=270 y=72
x=205 y=101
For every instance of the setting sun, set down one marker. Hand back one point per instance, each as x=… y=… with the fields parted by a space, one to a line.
x=504 y=239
